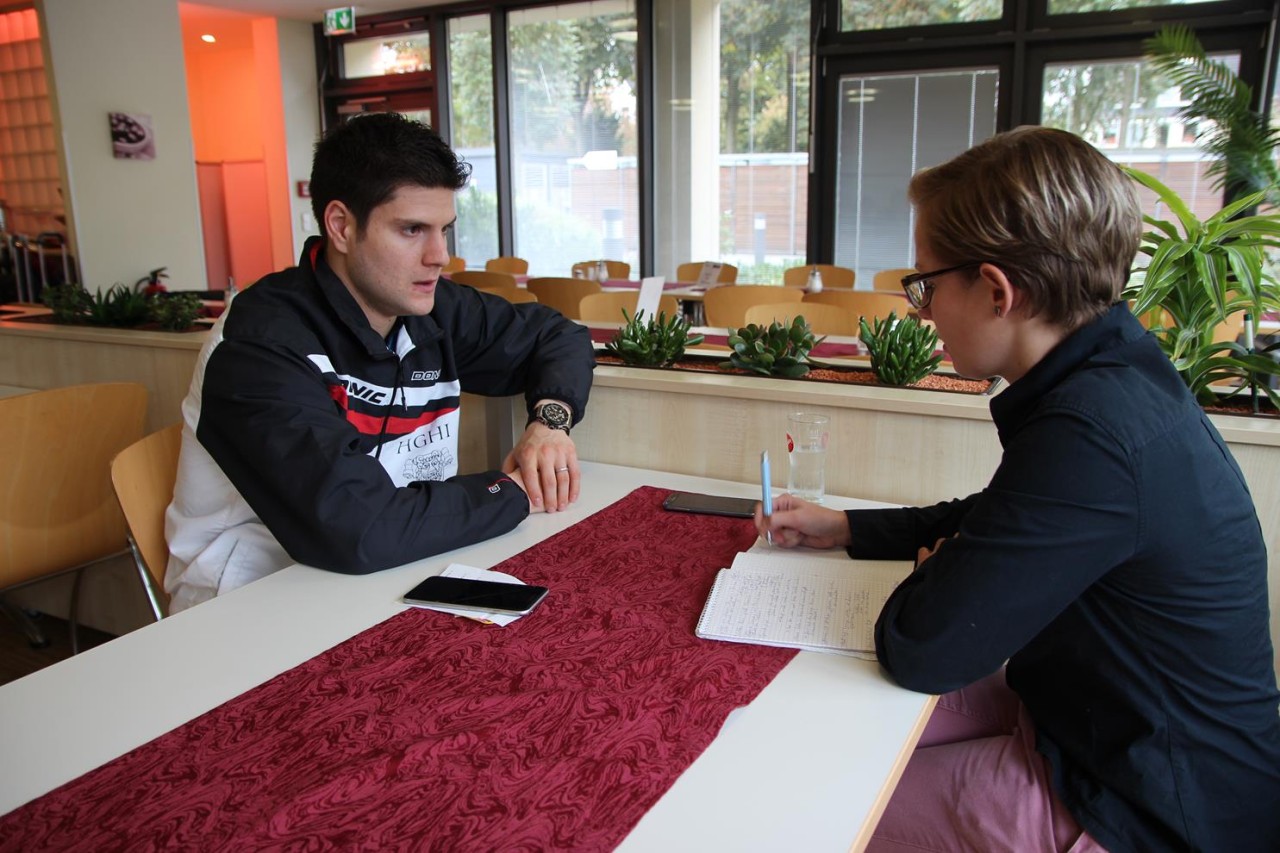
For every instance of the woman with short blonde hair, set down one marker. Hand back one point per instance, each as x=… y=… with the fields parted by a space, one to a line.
x=1114 y=561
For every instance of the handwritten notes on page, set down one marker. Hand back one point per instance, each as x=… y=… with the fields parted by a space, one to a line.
x=800 y=600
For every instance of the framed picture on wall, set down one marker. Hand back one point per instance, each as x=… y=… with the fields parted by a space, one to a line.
x=132 y=137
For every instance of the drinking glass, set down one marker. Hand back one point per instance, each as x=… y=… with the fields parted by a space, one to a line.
x=807 y=439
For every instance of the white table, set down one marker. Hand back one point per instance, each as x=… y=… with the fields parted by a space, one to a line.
x=807 y=766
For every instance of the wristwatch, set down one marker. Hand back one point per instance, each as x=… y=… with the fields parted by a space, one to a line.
x=552 y=415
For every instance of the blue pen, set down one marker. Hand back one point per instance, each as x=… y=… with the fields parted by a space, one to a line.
x=766 y=496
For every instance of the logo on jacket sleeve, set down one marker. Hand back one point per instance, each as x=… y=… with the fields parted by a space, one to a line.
x=434 y=466
x=424 y=376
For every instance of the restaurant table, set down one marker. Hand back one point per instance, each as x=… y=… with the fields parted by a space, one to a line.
x=807 y=764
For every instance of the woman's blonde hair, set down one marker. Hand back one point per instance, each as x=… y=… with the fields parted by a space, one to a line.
x=1047 y=208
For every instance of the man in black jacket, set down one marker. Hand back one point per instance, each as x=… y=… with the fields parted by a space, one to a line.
x=322 y=422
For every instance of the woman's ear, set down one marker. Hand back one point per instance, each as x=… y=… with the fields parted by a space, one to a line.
x=1005 y=298
x=339 y=225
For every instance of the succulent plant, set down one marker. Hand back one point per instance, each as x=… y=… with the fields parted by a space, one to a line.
x=902 y=351
x=175 y=312
x=773 y=350
x=68 y=302
x=652 y=343
x=118 y=306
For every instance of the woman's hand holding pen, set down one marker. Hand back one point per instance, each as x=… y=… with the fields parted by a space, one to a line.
x=796 y=522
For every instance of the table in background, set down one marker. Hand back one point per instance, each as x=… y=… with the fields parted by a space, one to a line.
x=808 y=765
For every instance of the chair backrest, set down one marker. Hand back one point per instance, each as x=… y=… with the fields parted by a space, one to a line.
x=57 y=510
x=587 y=269
x=691 y=271
x=483 y=279
x=727 y=306
x=822 y=319
x=607 y=307
x=455 y=264
x=862 y=303
x=143 y=475
x=832 y=276
x=511 y=294
x=890 y=281
x=562 y=294
x=508 y=264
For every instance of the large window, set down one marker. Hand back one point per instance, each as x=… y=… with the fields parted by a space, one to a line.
x=891 y=126
x=764 y=136
x=705 y=147
x=732 y=92
x=881 y=15
x=910 y=83
x=471 y=125
x=1130 y=113
x=573 y=134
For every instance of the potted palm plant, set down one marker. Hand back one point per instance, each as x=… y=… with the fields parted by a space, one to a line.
x=1240 y=140
x=1200 y=274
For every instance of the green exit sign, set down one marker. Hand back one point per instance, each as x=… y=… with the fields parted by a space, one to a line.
x=340 y=21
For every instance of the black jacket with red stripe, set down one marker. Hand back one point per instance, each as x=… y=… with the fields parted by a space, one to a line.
x=343 y=444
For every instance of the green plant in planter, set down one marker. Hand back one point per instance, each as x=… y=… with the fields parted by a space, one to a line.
x=68 y=302
x=902 y=351
x=652 y=343
x=1201 y=273
x=175 y=312
x=119 y=306
x=773 y=350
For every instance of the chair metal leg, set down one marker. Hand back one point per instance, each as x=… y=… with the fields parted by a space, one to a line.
x=35 y=636
x=148 y=581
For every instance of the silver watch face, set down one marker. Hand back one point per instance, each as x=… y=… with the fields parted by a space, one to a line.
x=553 y=415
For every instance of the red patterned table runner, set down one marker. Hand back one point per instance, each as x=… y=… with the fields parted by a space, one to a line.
x=430 y=732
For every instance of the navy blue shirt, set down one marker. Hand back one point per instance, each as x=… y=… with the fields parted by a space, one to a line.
x=1116 y=563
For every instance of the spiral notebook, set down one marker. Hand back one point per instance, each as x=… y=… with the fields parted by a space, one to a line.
x=819 y=601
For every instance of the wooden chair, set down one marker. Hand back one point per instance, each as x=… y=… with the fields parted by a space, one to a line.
x=890 y=281
x=143 y=475
x=483 y=279
x=832 y=276
x=511 y=294
x=862 y=303
x=691 y=271
x=455 y=264
x=607 y=307
x=822 y=319
x=508 y=264
x=562 y=294
x=587 y=269
x=726 y=307
x=57 y=511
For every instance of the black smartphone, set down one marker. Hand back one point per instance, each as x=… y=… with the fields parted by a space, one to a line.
x=710 y=504
x=468 y=594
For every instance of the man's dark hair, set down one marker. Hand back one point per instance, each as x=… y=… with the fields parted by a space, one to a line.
x=363 y=161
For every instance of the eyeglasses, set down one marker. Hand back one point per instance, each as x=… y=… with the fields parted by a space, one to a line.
x=919 y=288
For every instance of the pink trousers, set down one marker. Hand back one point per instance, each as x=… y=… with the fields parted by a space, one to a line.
x=976 y=783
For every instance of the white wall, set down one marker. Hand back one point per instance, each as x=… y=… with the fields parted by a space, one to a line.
x=130 y=216
x=301 y=116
